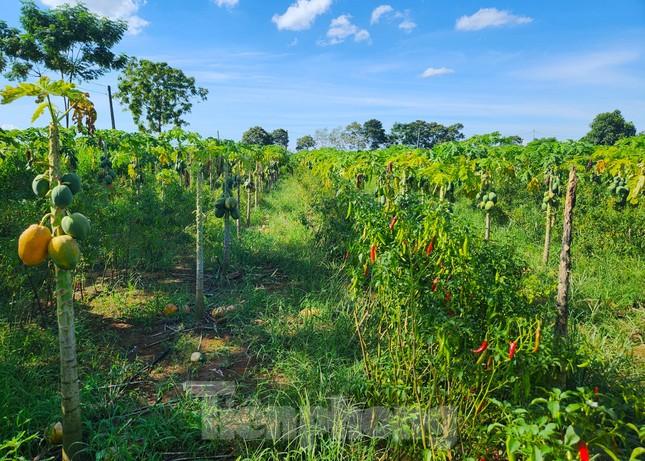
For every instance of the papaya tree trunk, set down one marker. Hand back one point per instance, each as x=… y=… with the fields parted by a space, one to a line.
x=562 y=300
x=257 y=184
x=70 y=395
x=547 y=231
x=547 y=235
x=238 y=221
x=248 y=205
x=487 y=230
x=199 y=250
x=227 y=222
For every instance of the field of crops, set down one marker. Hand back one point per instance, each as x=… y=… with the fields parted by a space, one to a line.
x=486 y=296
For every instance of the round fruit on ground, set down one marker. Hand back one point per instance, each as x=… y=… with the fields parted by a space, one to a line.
x=230 y=203
x=32 y=244
x=170 y=309
x=62 y=196
x=76 y=225
x=492 y=196
x=64 y=251
x=40 y=185
x=489 y=205
x=72 y=181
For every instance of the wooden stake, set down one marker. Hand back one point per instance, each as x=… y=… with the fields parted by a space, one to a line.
x=562 y=300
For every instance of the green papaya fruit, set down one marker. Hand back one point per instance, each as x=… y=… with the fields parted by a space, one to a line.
x=72 y=181
x=62 y=196
x=76 y=225
x=230 y=203
x=40 y=185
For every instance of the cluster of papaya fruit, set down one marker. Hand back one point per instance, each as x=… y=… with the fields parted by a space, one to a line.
x=618 y=187
x=36 y=243
x=487 y=199
x=106 y=174
x=227 y=206
x=551 y=195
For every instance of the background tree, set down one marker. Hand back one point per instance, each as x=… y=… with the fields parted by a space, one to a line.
x=257 y=136
x=374 y=133
x=157 y=94
x=305 y=143
x=425 y=134
x=609 y=127
x=353 y=136
x=68 y=40
x=280 y=137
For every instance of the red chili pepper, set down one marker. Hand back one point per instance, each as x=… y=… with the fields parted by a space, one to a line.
x=512 y=348
x=435 y=282
x=596 y=390
x=393 y=222
x=482 y=347
x=447 y=296
x=430 y=248
x=373 y=253
x=583 y=451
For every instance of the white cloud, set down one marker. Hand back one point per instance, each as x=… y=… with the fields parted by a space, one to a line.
x=342 y=28
x=407 y=25
x=301 y=15
x=490 y=17
x=8 y=126
x=227 y=3
x=115 y=9
x=436 y=71
x=380 y=11
x=386 y=11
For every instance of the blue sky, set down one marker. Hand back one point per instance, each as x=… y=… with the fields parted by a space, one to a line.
x=511 y=66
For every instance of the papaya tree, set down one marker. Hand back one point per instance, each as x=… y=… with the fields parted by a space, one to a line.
x=198 y=156
x=226 y=206
x=59 y=241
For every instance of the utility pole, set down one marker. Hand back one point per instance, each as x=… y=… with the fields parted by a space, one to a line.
x=111 y=107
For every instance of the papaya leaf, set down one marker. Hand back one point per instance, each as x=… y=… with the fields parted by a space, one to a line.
x=39 y=111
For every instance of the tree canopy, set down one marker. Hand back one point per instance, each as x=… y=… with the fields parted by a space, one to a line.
x=68 y=40
x=374 y=133
x=609 y=127
x=157 y=94
x=305 y=143
x=425 y=134
x=258 y=136
x=280 y=137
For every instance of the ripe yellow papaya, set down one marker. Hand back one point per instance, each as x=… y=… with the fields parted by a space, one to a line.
x=64 y=251
x=32 y=244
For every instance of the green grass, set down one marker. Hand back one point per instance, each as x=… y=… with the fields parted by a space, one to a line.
x=292 y=318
